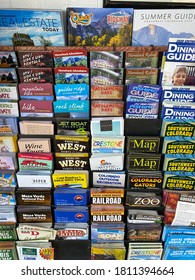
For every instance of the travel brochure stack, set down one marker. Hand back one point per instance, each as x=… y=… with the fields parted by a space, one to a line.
x=107 y=156
x=8 y=159
x=97 y=137
x=178 y=148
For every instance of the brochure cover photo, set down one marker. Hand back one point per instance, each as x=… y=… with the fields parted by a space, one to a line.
x=99 y=26
x=31 y=28
x=155 y=27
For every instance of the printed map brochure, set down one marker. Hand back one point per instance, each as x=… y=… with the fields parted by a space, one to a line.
x=8 y=250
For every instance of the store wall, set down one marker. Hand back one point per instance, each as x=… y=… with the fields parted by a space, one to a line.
x=50 y=4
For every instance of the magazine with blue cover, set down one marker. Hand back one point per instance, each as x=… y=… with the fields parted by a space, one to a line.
x=141 y=92
x=179 y=67
x=178 y=94
x=169 y=229
x=179 y=252
x=71 y=214
x=31 y=27
x=72 y=109
x=178 y=110
x=180 y=239
x=141 y=110
x=71 y=196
